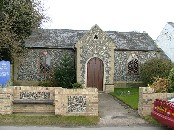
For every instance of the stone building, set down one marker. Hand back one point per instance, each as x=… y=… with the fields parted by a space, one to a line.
x=166 y=40
x=103 y=59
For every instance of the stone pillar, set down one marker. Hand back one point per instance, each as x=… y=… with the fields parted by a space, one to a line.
x=78 y=64
x=6 y=100
x=109 y=88
x=145 y=103
x=147 y=98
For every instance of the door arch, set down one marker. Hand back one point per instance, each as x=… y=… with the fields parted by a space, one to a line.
x=95 y=73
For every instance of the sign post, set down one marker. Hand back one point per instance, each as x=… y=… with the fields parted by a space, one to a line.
x=4 y=72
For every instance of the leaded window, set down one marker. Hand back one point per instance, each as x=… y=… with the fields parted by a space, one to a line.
x=44 y=63
x=133 y=64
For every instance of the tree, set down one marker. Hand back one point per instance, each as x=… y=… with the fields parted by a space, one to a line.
x=18 y=18
x=65 y=72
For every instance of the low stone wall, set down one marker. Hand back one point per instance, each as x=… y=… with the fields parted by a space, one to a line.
x=28 y=99
x=33 y=108
x=76 y=101
x=6 y=101
x=146 y=99
x=33 y=93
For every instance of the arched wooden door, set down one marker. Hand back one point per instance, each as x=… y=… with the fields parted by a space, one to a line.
x=95 y=73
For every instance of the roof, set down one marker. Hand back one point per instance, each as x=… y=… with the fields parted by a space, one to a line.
x=54 y=38
x=65 y=38
x=171 y=23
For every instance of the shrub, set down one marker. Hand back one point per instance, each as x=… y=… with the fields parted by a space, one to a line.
x=44 y=84
x=64 y=75
x=171 y=79
x=77 y=85
x=160 y=85
x=155 y=68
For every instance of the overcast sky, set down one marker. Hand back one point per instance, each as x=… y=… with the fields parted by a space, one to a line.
x=115 y=15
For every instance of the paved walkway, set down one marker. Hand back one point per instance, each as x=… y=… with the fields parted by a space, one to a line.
x=114 y=113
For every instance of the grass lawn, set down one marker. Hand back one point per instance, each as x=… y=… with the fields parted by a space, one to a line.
x=49 y=120
x=129 y=96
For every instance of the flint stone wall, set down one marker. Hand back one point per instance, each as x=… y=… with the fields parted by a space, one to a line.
x=23 y=68
x=26 y=99
x=146 y=99
x=76 y=102
x=33 y=93
x=95 y=43
x=121 y=63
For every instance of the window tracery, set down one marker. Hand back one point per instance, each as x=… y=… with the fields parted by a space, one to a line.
x=133 y=64
x=44 y=63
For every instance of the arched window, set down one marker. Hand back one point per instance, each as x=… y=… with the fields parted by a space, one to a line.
x=44 y=63
x=133 y=64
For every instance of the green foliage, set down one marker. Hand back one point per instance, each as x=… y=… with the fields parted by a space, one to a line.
x=129 y=96
x=65 y=73
x=160 y=85
x=171 y=79
x=44 y=84
x=77 y=85
x=18 y=18
x=152 y=121
x=155 y=68
x=41 y=120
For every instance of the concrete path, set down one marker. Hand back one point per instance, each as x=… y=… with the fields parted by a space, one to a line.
x=114 y=113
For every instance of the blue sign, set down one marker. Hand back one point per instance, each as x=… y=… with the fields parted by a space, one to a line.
x=4 y=72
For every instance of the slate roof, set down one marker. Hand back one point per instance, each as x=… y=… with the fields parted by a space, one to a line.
x=54 y=38
x=65 y=38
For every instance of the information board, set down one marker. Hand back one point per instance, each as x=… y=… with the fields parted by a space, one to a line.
x=4 y=72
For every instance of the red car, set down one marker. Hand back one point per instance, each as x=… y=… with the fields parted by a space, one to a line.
x=163 y=112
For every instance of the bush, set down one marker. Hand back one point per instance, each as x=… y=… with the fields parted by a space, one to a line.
x=77 y=85
x=64 y=75
x=155 y=68
x=44 y=84
x=171 y=79
x=160 y=85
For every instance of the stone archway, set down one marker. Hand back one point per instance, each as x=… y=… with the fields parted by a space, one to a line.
x=96 y=43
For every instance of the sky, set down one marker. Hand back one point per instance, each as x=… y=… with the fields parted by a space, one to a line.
x=110 y=15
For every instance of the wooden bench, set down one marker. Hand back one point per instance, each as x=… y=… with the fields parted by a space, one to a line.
x=33 y=102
